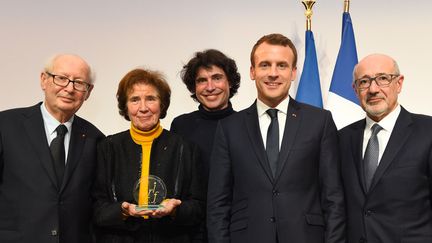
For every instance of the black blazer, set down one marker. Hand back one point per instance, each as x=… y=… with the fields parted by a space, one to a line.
x=33 y=208
x=303 y=203
x=172 y=159
x=398 y=206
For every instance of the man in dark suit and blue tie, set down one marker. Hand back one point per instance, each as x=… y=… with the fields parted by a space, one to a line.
x=386 y=161
x=47 y=160
x=274 y=171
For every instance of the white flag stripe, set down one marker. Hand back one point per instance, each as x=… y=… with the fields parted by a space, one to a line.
x=344 y=112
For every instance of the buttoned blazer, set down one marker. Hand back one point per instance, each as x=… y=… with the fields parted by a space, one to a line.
x=302 y=203
x=398 y=205
x=33 y=207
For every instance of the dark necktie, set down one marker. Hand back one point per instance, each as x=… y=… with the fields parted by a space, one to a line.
x=58 y=152
x=272 y=144
x=371 y=155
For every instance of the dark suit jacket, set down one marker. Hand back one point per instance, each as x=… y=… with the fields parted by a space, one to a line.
x=398 y=206
x=173 y=160
x=33 y=208
x=303 y=203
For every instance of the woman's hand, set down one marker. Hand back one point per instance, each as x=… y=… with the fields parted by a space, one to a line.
x=129 y=210
x=169 y=208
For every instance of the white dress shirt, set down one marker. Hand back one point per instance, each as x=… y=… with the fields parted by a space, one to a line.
x=50 y=124
x=265 y=120
x=387 y=123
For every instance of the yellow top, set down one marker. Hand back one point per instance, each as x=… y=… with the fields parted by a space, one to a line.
x=145 y=139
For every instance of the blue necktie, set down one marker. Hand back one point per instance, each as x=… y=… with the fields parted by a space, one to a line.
x=371 y=155
x=272 y=144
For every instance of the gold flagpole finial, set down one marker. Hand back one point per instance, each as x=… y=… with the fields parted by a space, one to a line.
x=308 y=5
x=346 y=6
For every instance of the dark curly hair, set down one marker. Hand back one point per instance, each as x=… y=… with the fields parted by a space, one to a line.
x=206 y=59
x=277 y=40
x=143 y=76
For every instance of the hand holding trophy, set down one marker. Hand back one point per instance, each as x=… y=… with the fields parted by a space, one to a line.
x=168 y=208
x=150 y=193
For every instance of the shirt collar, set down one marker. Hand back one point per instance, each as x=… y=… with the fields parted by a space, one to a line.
x=282 y=107
x=388 y=122
x=51 y=123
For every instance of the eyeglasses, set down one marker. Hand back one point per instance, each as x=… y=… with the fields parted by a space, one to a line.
x=382 y=80
x=64 y=81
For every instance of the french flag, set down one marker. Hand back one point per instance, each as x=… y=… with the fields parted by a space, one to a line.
x=342 y=100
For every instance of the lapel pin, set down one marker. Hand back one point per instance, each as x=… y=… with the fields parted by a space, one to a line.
x=83 y=135
x=294 y=115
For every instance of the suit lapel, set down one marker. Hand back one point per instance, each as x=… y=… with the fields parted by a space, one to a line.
x=292 y=123
x=253 y=130
x=35 y=129
x=398 y=138
x=356 y=149
x=76 y=146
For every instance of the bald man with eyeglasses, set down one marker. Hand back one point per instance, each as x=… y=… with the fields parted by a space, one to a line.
x=47 y=160
x=386 y=161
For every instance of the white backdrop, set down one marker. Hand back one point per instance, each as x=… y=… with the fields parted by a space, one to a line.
x=117 y=36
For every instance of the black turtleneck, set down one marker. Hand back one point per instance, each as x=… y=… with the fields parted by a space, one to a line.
x=199 y=127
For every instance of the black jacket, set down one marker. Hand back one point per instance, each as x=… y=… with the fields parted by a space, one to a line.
x=398 y=205
x=33 y=207
x=172 y=159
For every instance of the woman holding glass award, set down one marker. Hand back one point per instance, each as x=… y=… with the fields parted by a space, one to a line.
x=149 y=182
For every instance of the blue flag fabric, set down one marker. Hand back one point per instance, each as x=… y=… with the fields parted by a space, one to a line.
x=341 y=99
x=341 y=83
x=309 y=89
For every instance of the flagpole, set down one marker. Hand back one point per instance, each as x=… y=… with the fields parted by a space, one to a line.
x=308 y=5
x=346 y=6
x=309 y=88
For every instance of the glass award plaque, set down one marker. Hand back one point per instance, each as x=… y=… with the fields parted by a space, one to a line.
x=156 y=193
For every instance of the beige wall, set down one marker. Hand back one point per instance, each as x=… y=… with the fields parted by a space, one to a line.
x=116 y=36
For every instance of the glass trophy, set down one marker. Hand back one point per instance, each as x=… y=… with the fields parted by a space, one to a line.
x=156 y=193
